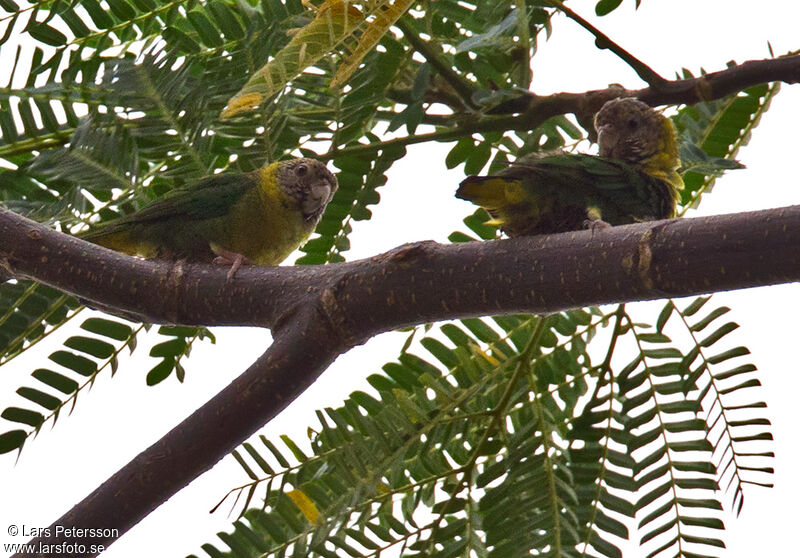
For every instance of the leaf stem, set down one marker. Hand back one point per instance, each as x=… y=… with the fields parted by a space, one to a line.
x=604 y=42
x=461 y=85
x=445 y=135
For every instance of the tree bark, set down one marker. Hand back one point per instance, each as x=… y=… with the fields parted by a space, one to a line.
x=319 y=312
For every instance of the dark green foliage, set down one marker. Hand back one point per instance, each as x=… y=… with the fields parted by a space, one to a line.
x=518 y=439
x=173 y=350
x=27 y=311
x=76 y=369
x=712 y=134
x=167 y=134
x=605 y=7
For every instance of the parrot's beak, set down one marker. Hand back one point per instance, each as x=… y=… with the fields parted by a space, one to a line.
x=318 y=196
x=321 y=191
x=607 y=138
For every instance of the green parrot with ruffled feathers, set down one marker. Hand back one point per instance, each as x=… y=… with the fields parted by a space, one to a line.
x=634 y=178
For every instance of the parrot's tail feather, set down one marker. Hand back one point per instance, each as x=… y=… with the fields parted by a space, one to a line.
x=118 y=240
x=103 y=238
x=490 y=192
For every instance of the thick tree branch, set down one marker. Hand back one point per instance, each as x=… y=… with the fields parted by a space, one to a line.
x=214 y=430
x=318 y=312
x=545 y=273
x=152 y=291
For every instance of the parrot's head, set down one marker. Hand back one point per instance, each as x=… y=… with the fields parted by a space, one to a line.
x=631 y=131
x=310 y=183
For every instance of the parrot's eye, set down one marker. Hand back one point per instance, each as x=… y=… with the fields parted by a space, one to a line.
x=301 y=170
x=633 y=123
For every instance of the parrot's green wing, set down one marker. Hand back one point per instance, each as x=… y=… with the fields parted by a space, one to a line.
x=212 y=197
x=259 y=217
x=560 y=192
x=180 y=224
x=624 y=192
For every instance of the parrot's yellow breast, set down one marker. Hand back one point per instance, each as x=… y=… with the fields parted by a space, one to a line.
x=266 y=224
x=663 y=164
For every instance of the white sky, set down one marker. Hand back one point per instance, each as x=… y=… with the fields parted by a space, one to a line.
x=118 y=419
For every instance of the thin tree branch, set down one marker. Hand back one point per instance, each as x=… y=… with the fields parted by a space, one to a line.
x=441 y=135
x=604 y=42
x=429 y=119
x=325 y=310
x=525 y=74
x=536 y=109
x=528 y=111
x=462 y=86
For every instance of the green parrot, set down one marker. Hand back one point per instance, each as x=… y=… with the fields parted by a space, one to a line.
x=257 y=218
x=633 y=179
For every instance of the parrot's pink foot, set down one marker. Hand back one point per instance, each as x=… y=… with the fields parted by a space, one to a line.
x=595 y=225
x=233 y=259
x=594 y=220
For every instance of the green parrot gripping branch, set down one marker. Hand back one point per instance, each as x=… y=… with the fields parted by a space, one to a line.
x=633 y=179
x=257 y=218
